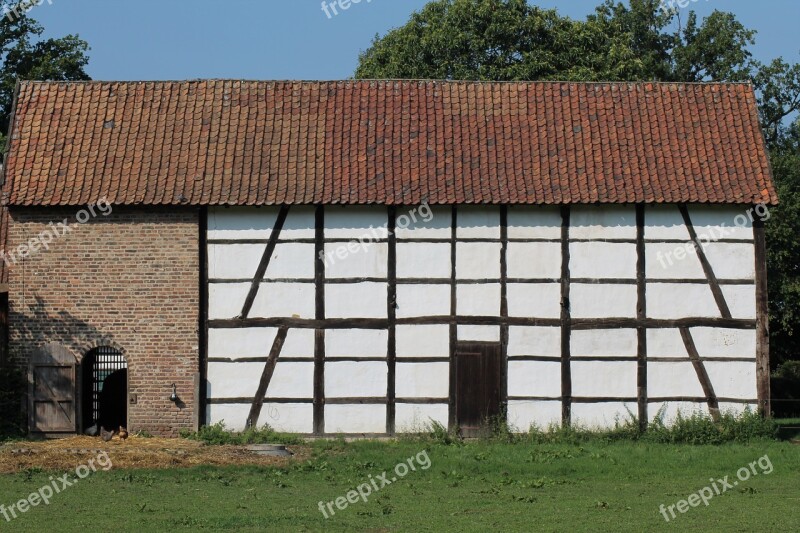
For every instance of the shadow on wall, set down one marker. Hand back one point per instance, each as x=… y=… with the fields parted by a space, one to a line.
x=29 y=331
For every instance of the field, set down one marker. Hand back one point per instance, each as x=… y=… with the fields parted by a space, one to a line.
x=477 y=486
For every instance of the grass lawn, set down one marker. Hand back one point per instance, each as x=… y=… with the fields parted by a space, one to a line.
x=477 y=486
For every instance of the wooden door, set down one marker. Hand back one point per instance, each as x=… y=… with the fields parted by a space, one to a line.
x=478 y=385
x=51 y=393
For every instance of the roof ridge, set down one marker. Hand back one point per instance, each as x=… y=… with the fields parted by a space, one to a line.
x=393 y=80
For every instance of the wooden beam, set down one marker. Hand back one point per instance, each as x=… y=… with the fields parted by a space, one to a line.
x=264 y=263
x=391 y=313
x=641 y=315
x=504 y=329
x=719 y=297
x=566 y=326
x=702 y=374
x=266 y=377
x=200 y=416
x=762 y=321
x=319 y=332
x=453 y=323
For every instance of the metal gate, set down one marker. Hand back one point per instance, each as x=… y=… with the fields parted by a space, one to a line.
x=99 y=364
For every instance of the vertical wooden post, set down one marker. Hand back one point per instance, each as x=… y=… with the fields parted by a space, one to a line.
x=391 y=311
x=319 y=333
x=202 y=388
x=566 y=321
x=453 y=314
x=504 y=309
x=641 y=316
x=762 y=320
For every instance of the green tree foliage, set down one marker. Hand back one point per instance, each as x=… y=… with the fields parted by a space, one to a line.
x=504 y=40
x=25 y=55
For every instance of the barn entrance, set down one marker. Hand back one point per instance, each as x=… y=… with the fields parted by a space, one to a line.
x=478 y=385
x=104 y=376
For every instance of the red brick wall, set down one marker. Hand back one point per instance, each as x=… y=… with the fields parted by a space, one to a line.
x=129 y=280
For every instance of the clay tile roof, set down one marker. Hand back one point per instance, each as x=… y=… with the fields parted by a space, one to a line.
x=385 y=142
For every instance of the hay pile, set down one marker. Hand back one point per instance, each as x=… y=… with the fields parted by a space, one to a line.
x=135 y=452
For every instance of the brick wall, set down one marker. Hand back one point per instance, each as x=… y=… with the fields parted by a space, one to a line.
x=128 y=279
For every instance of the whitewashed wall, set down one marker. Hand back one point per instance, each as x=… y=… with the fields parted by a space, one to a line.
x=603 y=259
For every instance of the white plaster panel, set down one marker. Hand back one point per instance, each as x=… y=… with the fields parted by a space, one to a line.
x=672 y=261
x=668 y=411
x=226 y=300
x=290 y=260
x=478 y=260
x=541 y=300
x=522 y=415
x=423 y=300
x=356 y=300
x=534 y=340
x=234 y=416
x=534 y=260
x=431 y=222
x=666 y=343
x=717 y=342
x=412 y=418
x=602 y=222
x=283 y=300
x=291 y=380
x=602 y=301
x=727 y=222
x=602 y=260
x=733 y=379
x=355 y=418
x=478 y=222
x=423 y=341
x=478 y=300
x=604 y=378
x=355 y=260
x=680 y=300
x=241 y=343
x=533 y=222
x=677 y=378
x=345 y=379
x=288 y=417
x=602 y=415
x=234 y=261
x=604 y=342
x=423 y=260
x=257 y=223
x=534 y=378
x=735 y=409
x=354 y=222
x=233 y=380
x=741 y=300
x=299 y=343
x=356 y=342
x=423 y=380
x=732 y=260
x=663 y=222
x=478 y=333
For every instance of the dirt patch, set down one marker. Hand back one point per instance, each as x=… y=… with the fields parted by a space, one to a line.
x=135 y=452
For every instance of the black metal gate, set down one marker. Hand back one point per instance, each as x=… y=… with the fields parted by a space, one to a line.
x=98 y=365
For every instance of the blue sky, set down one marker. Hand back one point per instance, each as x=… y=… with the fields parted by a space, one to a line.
x=295 y=39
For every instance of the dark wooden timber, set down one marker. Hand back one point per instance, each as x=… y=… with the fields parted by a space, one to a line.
x=453 y=322
x=504 y=310
x=319 y=331
x=641 y=314
x=762 y=320
x=566 y=326
x=719 y=297
x=264 y=263
x=203 y=327
x=702 y=374
x=391 y=313
x=509 y=281
x=266 y=377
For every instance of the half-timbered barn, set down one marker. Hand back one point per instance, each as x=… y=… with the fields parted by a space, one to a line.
x=365 y=257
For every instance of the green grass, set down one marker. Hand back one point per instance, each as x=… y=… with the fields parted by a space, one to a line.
x=476 y=486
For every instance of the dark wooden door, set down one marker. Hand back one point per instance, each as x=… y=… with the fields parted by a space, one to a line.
x=478 y=385
x=51 y=398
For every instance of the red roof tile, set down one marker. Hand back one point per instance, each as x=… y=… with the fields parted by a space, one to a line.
x=388 y=142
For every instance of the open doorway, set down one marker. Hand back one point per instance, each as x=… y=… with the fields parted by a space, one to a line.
x=104 y=376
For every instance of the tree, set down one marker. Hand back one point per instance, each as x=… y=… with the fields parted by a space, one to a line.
x=24 y=54
x=636 y=41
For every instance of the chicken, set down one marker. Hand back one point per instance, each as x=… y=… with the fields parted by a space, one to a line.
x=106 y=435
x=123 y=433
x=93 y=431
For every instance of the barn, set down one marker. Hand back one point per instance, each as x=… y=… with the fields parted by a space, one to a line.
x=365 y=257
